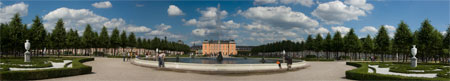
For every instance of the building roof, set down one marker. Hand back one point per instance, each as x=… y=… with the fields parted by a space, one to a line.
x=217 y=41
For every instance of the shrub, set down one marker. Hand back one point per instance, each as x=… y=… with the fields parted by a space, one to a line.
x=77 y=69
x=361 y=73
x=311 y=56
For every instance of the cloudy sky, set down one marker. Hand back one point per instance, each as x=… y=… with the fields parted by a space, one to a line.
x=249 y=22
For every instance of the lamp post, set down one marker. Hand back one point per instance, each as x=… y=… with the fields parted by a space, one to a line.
x=414 y=59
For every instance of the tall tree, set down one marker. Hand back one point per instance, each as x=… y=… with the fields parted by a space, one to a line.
x=104 y=40
x=132 y=41
x=310 y=44
x=352 y=43
x=37 y=34
x=425 y=34
x=123 y=40
x=71 y=38
x=16 y=34
x=318 y=44
x=115 y=40
x=328 y=44
x=403 y=40
x=59 y=36
x=88 y=39
x=446 y=41
x=382 y=42
x=338 y=43
x=368 y=45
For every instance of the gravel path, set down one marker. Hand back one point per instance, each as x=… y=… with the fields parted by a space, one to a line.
x=115 y=69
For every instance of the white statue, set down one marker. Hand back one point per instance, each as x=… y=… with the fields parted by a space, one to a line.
x=414 y=51
x=414 y=59
x=27 y=53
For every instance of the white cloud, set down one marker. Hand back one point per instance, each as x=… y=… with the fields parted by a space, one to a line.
x=1 y=3
x=344 y=30
x=260 y=2
x=200 y=32
x=174 y=11
x=78 y=18
x=257 y=26
x=105 y=4
x=369 y=30
x=161 y=30
x=336 y=12
x=281 y=16
x=210 y=24
x=390 y=28
x=444 y=32
x=8 y=11
x=307 y=3
x=360 y=4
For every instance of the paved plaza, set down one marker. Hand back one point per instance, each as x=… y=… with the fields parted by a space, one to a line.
x=116 y=69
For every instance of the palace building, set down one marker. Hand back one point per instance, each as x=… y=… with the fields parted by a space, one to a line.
x=227 y=47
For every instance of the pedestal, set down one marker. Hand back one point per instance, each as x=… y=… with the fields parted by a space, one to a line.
x=414 y=62
x=27 y=57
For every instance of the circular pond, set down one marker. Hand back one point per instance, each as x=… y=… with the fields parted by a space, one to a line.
x=206 y=60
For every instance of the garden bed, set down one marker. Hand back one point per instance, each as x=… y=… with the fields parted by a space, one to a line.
x=76 y=69
x=361 y=73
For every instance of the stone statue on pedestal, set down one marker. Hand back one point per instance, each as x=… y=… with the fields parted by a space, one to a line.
x=414 y=59
x=27 y=53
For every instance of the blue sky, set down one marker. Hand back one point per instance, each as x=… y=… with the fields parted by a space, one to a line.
x=249 y=22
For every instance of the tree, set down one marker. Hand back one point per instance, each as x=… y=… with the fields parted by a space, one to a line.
x=382 y=42
x=104 y=40
x=132 y=41
x=446 y=41
x=88 y=38
x=403 y=40
x=368 y=45
x=310 y=44
x=328 y=45
x=338 y=43
x=318 y=44
x=59 y=36
x=115 y=40
x=425 y=34
x=16 y=35
x=352 y=43
x=71 y=39
x=37 y=34
x=123 y=40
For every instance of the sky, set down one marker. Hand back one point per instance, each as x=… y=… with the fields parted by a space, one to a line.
x=248 y=22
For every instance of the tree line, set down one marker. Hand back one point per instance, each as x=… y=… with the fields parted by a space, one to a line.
x=431 y=44
x=14 y=34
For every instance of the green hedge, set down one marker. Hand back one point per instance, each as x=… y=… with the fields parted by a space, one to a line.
x=77 y=69
x=361 y=73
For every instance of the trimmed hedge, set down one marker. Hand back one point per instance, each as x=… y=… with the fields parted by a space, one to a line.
x=361 y=73
x=77 y=69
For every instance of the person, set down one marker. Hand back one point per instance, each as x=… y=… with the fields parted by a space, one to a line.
x=124 y=55
x=161 y=60
x=289 y=62
x=279 y=64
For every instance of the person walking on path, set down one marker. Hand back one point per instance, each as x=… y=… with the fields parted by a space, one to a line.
x=128 y=56
x=161 y=60
x=124 y=55
x=279 y=64
x=289 y=62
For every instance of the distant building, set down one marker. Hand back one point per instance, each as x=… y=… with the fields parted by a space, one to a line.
x=227 y=47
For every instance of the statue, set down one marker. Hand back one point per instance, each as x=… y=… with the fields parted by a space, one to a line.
x=284 y=56
x=27 y=53
x=414 y=59
x=220 y=57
